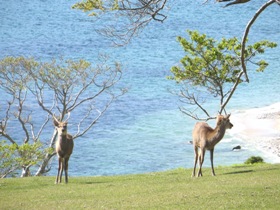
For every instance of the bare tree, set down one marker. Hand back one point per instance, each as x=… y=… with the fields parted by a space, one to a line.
x=130 y=17
x=79 y=88
x=58 y=87
x=16 y=116
x=246 y=33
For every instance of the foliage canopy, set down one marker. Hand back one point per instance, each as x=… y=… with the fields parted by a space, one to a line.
x=13 y=157
x=213 y=67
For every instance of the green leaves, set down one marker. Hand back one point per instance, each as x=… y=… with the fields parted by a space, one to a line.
x=13 y=157
x=213 y=66
x=262 y=65
x=96 y=6
x=89 y=5
x=14 y=72
x=208 y=61
x=205 y=59
x=254 y=160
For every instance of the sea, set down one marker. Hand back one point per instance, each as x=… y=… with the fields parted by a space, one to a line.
x=144 y=131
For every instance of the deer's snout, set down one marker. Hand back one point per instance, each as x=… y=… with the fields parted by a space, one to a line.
x=64 y=128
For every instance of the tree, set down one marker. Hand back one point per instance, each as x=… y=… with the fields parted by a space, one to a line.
x=36 y=91
x=212 y=68
x=130 y=17
x=141 y=12
x=15 y=109
x=138 y=14
x=246 y=33
x=76 y=85
x=15 y=157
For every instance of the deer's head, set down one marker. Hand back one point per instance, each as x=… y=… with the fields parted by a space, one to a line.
x=61 y=127
x=224 y=121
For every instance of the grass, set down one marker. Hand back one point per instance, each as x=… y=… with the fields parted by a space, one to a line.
x=236 y=187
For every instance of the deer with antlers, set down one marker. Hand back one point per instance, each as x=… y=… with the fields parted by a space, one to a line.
x=205 y=138
x=64 y=147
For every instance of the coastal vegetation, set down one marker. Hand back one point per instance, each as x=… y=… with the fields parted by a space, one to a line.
x=254 y=186
x=254 y=159
x=35 y=91
x=211 y=70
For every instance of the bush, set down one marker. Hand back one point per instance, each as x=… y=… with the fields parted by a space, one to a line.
x=14 y=157
x=254 y=159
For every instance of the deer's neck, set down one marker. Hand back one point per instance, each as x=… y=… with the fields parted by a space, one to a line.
x=62 y=137
x=217 y=134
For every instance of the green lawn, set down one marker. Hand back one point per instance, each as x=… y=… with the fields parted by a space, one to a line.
x=235 y=187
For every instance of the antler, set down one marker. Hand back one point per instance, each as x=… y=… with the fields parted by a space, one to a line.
x=68 y=116
x=55 y=118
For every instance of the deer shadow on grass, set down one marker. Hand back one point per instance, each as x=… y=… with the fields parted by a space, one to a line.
x=239 y=172
x=92 y=181
x=249 y=170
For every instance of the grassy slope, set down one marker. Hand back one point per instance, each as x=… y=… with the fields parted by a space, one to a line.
x=236 y=187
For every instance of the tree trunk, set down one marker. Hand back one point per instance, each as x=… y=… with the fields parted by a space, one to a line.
x=246 y=32
x=25 y=171
x=42 y=169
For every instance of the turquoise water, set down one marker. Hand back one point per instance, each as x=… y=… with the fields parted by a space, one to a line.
x=143 y=131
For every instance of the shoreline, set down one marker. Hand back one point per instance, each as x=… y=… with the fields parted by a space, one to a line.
x=259 y=127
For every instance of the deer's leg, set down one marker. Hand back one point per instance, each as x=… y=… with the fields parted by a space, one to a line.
x=201 y=160
x=211 y=158
x=59 y=171
x=66 y=169
x=195 y=160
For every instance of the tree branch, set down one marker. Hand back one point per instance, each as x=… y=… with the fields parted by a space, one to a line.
x=245 y=35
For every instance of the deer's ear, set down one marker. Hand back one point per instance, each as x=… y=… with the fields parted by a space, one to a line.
x=219 y=119
x=55 y=121
x=228 y=116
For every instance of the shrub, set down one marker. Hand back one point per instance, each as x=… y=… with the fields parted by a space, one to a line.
x=254 y=159
x=13 y=157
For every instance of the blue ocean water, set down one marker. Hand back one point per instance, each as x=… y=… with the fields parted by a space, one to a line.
x=144 y=130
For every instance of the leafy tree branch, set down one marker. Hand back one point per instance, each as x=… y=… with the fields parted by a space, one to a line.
x=130 y=17
x=212 y=68
x=246 y=33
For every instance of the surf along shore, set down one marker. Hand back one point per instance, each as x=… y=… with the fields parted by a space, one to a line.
x=260 y=128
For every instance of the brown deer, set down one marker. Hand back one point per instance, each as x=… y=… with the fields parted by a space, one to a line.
x=205 y=138
x=64 y=147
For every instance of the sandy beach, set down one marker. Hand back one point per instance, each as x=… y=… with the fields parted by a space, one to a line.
x=260 y=128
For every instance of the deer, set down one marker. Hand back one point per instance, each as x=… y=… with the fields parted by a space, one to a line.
x=64 y=147
x=206 y=138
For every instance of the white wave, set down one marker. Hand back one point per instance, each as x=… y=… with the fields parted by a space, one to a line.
x=260 y=127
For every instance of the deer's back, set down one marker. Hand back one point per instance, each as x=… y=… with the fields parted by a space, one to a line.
x=201 y=133
x=64 y=146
